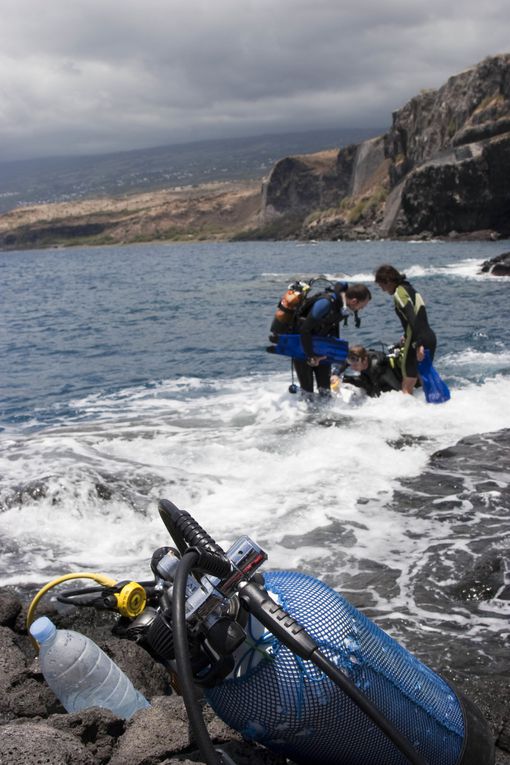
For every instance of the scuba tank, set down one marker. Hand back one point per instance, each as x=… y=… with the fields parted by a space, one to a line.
x=288 y=305
x=291 y=707
x=314 y=679
x=287 y=661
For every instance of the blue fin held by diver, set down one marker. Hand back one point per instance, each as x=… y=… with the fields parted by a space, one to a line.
x=435 y=389
x=331 y=347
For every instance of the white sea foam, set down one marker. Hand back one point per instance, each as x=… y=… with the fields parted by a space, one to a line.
x=242 y=456
x=469 y=269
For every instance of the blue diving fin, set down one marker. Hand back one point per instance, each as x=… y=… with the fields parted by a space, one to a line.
x=435 y=389
x=332 y=348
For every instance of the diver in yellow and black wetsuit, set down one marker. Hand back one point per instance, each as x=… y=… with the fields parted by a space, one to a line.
x=410 y=309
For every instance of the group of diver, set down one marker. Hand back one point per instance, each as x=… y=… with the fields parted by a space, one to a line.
x=375 y=372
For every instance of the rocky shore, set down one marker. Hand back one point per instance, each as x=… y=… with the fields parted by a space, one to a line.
x=35 y=729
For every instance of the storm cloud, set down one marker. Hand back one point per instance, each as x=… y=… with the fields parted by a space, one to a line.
x=90 y=76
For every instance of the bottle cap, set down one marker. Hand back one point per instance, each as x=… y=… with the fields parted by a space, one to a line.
x=42 y=629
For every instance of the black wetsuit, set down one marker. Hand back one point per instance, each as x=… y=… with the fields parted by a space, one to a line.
x=322 y=317
x=380 y=376
x=410 y=309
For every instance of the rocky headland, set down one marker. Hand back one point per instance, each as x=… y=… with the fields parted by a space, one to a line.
x=441 y=170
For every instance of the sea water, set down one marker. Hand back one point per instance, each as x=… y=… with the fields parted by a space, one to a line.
x=140 y=372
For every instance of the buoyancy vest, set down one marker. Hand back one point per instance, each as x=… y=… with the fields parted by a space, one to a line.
x=288 y=308
x=330 y=319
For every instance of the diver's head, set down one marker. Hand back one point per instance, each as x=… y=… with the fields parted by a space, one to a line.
x=358 y=358
x=357 y=297
x=388 y=278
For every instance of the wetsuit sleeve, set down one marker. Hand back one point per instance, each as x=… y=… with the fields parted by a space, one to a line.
x=319 y=310
x=407 y=314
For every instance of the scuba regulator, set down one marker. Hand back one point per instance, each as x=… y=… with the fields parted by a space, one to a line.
x=284 y=659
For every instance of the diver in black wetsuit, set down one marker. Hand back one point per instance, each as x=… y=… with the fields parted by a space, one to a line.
x=322 y=315
x=410 y=308
x=378 y=373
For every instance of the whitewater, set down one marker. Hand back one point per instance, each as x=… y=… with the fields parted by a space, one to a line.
x=140 y=373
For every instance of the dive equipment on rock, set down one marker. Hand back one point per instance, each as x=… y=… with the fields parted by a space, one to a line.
x=290 y=663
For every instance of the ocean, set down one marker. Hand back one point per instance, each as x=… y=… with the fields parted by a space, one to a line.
x=140 y=372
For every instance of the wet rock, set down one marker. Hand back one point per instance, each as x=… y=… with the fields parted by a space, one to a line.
x=35 y=490
x=497 y=266
x=103 y=491
x=492 y=697
x=483 y=582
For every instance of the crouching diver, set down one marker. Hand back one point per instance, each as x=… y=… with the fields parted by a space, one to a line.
x=321 y=315
x=377 y=373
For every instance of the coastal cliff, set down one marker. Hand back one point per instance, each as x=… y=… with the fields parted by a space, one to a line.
x=443 y=169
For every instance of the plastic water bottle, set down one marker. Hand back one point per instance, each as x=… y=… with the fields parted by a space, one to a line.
x=80 y=674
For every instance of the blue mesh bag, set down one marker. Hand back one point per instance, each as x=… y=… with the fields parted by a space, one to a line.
x=291 y=707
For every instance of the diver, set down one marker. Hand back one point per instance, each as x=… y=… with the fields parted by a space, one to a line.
x=377 y=372
x=410 y=308
x=322 y=315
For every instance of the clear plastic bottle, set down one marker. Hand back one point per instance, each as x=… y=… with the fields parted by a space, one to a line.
x=80 y=674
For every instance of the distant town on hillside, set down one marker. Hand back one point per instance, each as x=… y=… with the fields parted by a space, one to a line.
x=61 y=179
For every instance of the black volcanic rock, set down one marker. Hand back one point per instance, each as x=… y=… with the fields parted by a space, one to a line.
x=443 y=169
x=460 y=191
x=497 y=266
x=310 y=182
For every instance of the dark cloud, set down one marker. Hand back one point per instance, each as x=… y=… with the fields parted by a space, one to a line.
x=99 y=75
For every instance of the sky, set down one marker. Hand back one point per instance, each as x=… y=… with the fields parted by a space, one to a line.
x=81 y=77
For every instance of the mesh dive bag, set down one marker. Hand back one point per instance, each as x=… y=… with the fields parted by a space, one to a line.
x=291 y=707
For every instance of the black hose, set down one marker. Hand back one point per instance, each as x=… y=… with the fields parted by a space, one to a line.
x=182 y=659
x=185 y=530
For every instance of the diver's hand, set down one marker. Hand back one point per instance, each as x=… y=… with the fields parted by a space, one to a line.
x=314 y=361
x=420 y=353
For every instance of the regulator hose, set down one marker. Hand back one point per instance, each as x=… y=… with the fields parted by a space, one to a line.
x=185 y=530
x=184 y=669
x=102 y=579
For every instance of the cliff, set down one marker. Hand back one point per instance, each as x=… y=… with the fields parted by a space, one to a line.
x=442 y=169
